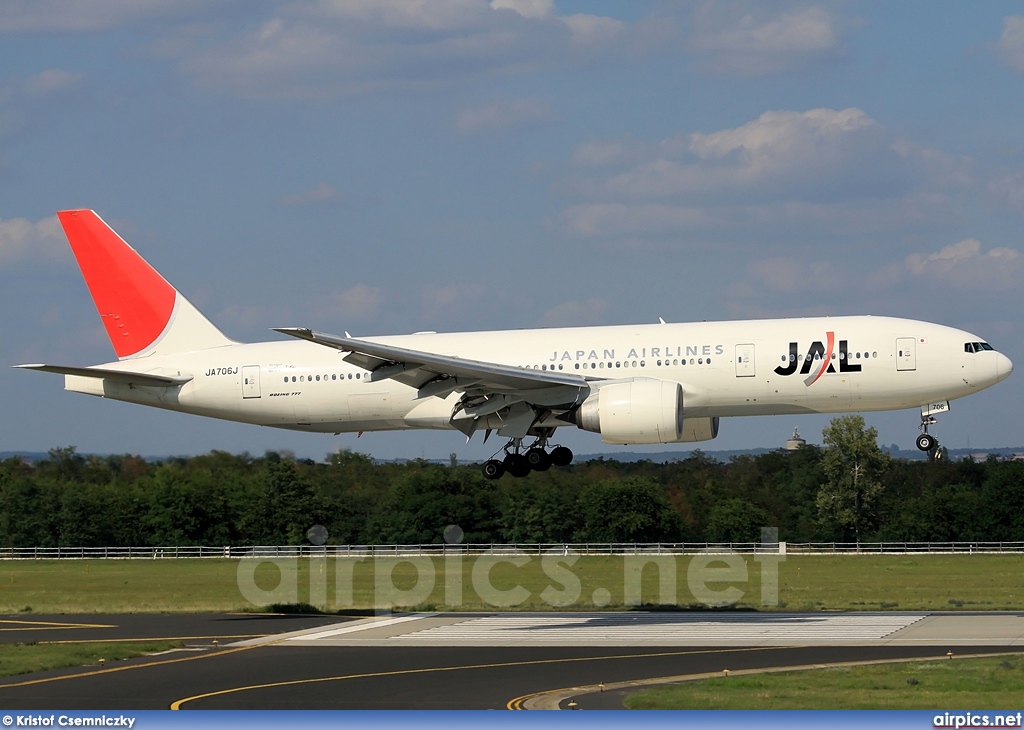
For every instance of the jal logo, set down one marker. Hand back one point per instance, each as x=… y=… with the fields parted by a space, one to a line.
x=820 y=359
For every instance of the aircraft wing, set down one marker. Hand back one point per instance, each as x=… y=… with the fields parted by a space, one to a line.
x=387 y=361
x=120 y=376
x=514 y=394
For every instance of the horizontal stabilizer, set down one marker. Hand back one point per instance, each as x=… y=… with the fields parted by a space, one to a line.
x=119 y=376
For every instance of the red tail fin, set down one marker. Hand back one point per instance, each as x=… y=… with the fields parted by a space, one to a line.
x=135 y=303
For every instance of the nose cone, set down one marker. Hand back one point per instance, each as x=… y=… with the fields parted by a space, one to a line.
x=1003 y=366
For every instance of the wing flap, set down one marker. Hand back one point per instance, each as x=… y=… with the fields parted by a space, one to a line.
x=495 y=376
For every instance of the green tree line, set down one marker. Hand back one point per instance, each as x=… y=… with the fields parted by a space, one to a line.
x=846 y=491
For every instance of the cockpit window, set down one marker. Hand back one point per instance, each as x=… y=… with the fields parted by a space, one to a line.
x=977 y=346
x=986 y=346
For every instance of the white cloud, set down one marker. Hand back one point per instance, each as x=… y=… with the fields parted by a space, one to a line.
x=443 y=303
x=755 y=45
x=789 y=275
x=248 y=317
x=51 y=80
x=19 y=16
x=575 y=314
x=1011 y=42
x=502 y=114
x=22 y=239
x=314 y=49
x=1009 y=188
x=527 y=8
x=784 y=131
x=429 y=15
x=963 y=266
x=602 y=220
x=23 y=100
x=358 y=303
x=320 y=194
x=783 y=168
x=600 y=153
x=611 y=220
x=775 y=155
x=591 y=29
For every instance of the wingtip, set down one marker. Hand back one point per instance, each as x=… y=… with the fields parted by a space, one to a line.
x=303 y=332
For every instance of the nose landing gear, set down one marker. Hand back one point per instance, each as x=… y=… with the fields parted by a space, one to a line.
x=520 y=463
x=928 y=443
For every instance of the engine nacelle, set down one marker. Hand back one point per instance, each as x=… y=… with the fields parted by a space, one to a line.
x=700 y=429
x=642 y=411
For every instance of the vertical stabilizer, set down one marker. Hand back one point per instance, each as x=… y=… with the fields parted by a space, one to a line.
x=142 y=313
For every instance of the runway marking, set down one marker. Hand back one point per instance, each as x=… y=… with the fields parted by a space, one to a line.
x=151 y=638
x=557 y=695
x=47 y=625
x=177 y=704
x=349 y=629
x=667 y=628
x=124 y=668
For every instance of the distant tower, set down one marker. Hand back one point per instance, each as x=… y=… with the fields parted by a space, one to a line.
x=795 y=442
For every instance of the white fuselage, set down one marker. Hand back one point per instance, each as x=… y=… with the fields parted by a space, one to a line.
x=739 y=368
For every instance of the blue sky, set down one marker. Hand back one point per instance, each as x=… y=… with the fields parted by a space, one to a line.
x=382 y=167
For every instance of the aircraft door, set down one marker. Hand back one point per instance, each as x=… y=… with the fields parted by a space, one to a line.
x=251 y=381
x=906 y=353
x=744 y=361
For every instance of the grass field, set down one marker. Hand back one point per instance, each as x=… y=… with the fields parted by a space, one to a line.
x=995 y=683
x=25 y=658
x=805 y=583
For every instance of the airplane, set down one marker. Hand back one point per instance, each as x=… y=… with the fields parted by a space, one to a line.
x=632 y=384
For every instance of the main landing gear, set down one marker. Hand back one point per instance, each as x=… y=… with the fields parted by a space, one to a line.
x=520 y=463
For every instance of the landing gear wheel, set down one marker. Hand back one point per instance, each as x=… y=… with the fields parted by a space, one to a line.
x=561 y=456
x=926 y=442
x=517 y=465
x=493 y=469
x=538 y=459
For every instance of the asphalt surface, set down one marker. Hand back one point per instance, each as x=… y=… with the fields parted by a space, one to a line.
x=193 y=629
x=291 y=676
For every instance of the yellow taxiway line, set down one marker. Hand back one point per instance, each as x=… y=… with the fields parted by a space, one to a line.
x=177 y=704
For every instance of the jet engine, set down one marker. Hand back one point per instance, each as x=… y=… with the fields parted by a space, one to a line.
x=642 y=411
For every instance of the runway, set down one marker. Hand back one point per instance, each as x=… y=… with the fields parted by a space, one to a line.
x=636 y=629
x=474 y=661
